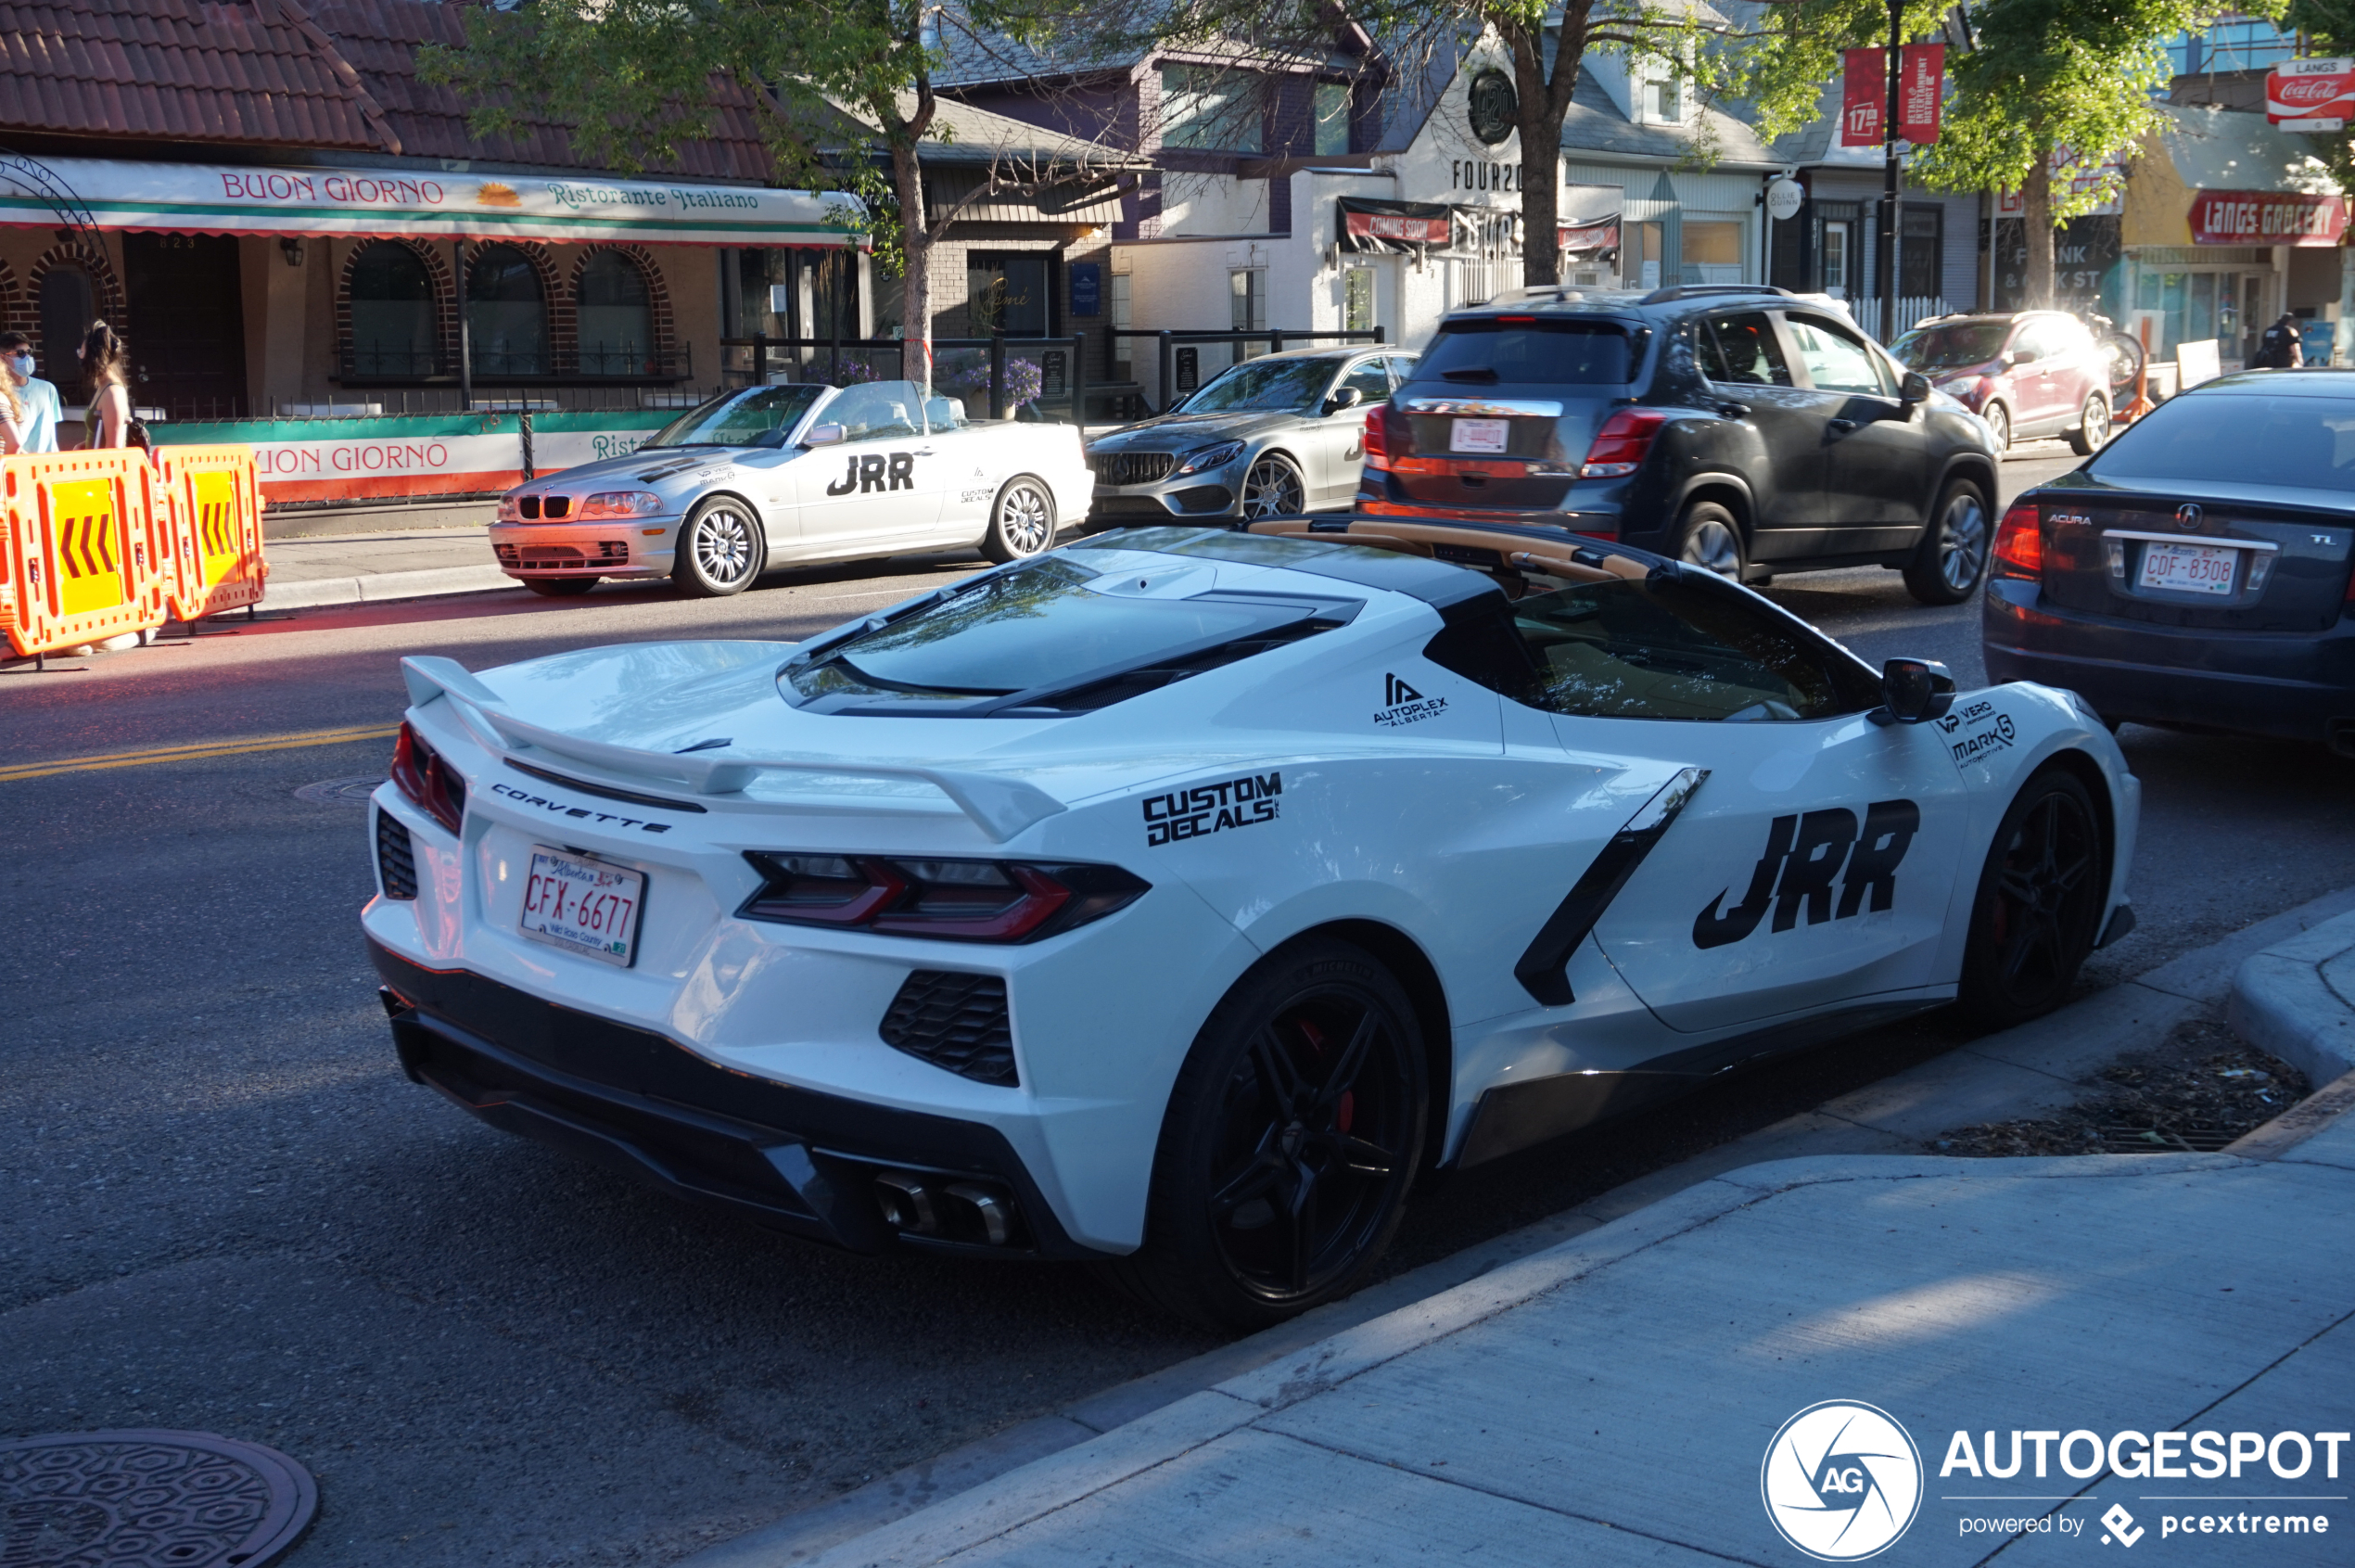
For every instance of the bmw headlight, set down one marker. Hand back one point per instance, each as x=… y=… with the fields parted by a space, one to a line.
x=622 y=504
x=1201 y=460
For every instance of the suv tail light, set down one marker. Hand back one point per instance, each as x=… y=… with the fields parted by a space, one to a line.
x=429 y=782
x=2020 y=542
x=954 y=901
x=1377 y=437
x=1620 y=445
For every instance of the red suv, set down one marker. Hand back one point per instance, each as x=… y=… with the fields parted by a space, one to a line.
x=2037 y=373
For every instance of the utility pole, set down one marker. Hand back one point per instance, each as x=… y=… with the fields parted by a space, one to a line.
x=1887 y=270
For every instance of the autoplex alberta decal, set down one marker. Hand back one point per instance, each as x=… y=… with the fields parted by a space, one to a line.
x=1211 y=807
x=1401 y=704
x=2276 y=1484
x=1976 y=731
x=1805 y=855
x=1842 y=1481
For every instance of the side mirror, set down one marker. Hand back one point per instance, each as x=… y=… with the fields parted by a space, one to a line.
x=2018 y=356
x=1915 y=387
x=1344 y=397
x=1913 y=691
x=823 y=435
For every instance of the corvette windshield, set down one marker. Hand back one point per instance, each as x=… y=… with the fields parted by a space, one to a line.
x=1044 y=625
x=755 y=416
x=1265 y=386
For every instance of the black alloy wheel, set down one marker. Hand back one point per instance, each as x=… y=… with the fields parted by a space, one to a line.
x=560 y=587
x=1957 y=549
x=1292 y=1135
x=2040 y=900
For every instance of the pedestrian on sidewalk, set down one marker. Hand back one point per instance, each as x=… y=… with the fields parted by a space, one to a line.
x=40 y=399
x=2280 y=347
x=108 y=421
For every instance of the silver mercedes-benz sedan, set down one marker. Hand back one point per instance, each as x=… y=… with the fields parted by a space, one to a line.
x=1271 y=437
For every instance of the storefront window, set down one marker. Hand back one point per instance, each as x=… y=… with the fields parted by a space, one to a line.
x=1209 y=107
x=393 y=324
x=1008 y=294
x=1711 y=251
x=506 y=313
x=1332 y=119
x=617 y=319
x=68 y=307
x=1919 y=258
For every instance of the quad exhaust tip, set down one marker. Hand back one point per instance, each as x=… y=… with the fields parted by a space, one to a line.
x=971 y=1212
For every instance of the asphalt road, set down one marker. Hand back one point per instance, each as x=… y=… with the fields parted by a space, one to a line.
x=228 y=1211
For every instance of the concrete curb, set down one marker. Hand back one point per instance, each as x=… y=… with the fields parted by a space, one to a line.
x=2297 y=999
x=369 y=587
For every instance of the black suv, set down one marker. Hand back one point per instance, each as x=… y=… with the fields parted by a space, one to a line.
x=1740 y=429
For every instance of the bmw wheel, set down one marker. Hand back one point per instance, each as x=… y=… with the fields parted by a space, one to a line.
x=719 y=548
x=1952 y=560
x=1999 y=422
x=2093 y=426
x=1708 y=537
x=2040 y=899
x=1274 y=489
x=1023 y=523
x=1292 y=1135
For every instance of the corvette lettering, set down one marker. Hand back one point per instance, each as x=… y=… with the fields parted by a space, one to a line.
x=1208 y=809
x=558 y=807
x=876 y=470
x=1804 y=856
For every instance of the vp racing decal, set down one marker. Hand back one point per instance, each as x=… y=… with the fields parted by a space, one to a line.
x=1208 y=809
x=876 y=470
x=1990 y=731
x=1401 y=704
x=1804 y=856
x=559 y=809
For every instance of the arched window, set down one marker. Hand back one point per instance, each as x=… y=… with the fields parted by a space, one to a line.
x=68 y=305
x=393 y=324
x=616 y=321
x=506 y=313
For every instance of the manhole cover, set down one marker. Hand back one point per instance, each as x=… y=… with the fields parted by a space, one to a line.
x=339 y=792
x=132 y=1499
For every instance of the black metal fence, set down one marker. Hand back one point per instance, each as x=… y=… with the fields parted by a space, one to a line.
x=990 y=366
x=1171 y=345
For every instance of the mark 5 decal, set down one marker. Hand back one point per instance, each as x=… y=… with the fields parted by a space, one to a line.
x=1989 y=730
x=1804 y=855
x=876 y=470
x=1401 y=704
x=1207 y=808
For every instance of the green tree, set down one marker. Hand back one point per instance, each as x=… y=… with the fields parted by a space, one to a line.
x=2045 y=80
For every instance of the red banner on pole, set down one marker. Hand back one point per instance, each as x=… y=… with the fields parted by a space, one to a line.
x=1864 y=96
x=1921 y=89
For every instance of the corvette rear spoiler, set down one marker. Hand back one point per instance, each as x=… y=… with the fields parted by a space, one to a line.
x=999 y=806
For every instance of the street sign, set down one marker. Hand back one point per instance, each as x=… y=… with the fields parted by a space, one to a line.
x=2311 y=94
x=1783 y=199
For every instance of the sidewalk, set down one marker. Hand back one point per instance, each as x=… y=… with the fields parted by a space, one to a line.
x=350 y=568
x=1612 y=1398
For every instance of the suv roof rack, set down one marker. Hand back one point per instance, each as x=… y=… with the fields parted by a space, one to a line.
x=1675 y=292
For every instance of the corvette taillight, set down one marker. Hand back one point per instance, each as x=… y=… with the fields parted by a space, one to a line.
x=1620 y=445
x=2019 y=543
x=429 y=782
x=954 y=901
x=1378 y=436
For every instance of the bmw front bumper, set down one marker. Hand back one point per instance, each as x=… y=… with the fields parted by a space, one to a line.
x=614 y=547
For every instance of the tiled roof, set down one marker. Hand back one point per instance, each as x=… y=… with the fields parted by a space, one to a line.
x=250 y=71
x=381 y=39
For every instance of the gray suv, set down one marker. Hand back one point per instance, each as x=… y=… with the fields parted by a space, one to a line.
x=1272 y=436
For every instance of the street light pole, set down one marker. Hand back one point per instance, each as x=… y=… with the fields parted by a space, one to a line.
x=1887 y=282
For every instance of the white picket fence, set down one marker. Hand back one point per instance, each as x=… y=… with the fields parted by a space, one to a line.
x=1910 y=312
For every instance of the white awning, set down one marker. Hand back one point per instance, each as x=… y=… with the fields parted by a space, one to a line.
x=214 y=198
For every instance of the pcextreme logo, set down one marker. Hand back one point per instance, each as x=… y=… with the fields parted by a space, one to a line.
x=1842 y=1481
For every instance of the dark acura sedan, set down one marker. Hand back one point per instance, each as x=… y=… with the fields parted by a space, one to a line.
x=2196 y=573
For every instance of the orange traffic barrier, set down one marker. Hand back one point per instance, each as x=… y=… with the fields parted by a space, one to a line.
x=83 y=547
x=215 y=505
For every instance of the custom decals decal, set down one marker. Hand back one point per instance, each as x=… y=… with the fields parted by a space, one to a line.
x=1401 y=704
x=876 y=470
x=522 y=798
x=1804 y=856
x=1208 y=809
x=966 y=498
x=1990 y=731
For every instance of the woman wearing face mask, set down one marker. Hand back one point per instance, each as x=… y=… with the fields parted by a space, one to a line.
x=109 y=420
x=40 y=399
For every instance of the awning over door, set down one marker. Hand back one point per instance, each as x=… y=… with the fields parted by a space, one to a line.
x=206 y=198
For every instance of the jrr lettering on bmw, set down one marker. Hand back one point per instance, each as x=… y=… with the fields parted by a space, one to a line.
x=876 y=470
x=1208 y=809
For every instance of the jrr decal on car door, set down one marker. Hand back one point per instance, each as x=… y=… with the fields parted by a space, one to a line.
x=1805 y=854
x=876 y=470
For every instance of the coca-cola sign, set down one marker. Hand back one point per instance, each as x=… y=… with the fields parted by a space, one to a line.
x=2311 y=94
